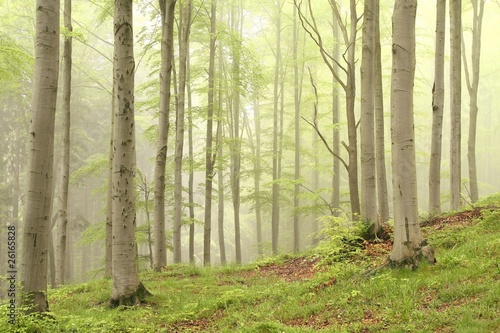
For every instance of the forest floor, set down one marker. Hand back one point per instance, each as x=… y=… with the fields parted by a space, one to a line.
x=317 y=291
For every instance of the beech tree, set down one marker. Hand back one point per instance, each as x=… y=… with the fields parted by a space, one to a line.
x=210 y=153
x=455 y=101
x=167 y=8
x=40 y=164
x=382 y=191
x=368 y=178
x=407 y=237
x=344 y=75
x=472 y=79
x=437 y=110
x=185 y=27
x=62 y=220
x=127 y=290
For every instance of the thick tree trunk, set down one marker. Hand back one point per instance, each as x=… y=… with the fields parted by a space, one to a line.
x=368 y=180
x=437 y=111
x=62 y=221
x=455 y=101
x=39 y=191
x=185 y=27
x=407 y=237
x=209 y=153
x=167 y=49
x=127 y=290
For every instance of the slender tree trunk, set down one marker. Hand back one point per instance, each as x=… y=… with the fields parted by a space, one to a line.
x=257 y=175
x=368 y=177
x=275 y=187
x=349 y=32
x=191 y=161
x=220 y=168
x=382 y=192
x=209 y=153
x=296 y=103
x=236 y=144
x=407 y=237
x=473 y=86
x=179 y=130
x=351 y=118
x=455 y=101
x=109 y=195
x=127 y=290
x=38 y=198
x=437 y=111
x=167 y=48
x=336 y=124
x=62 y=221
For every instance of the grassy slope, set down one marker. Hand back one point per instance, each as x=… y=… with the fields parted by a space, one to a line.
x=461 y=293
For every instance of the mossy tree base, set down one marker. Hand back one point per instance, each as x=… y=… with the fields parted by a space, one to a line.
x=35 y=302
x=132 y=299
x=422 y=252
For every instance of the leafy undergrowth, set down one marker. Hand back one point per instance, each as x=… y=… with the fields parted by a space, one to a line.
x=307 y=293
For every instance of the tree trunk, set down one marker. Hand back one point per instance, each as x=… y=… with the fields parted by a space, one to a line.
x=382 y=192
x=185 y=26
x=368 y=180
x=38 y=198
x=437 y=111
x=167 y=48
x=407 y=237
x=336 y=124
x=473 y=87
x=296 y=103
x=109 y=195
x=275 y=186
x=209 y=153
x=236 y=144
x=351 y=118
x=127 y=290
x=220 y=168
x=191 y=160
x=257 y=174
x=62 y=221
x=455 y=101
x=349 y=32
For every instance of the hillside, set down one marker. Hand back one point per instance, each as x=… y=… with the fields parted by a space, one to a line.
x=319 y=291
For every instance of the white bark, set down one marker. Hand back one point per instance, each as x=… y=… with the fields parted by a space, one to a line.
x=455 y=101
x=127 y=289
x=407 y=237
x=437 y=111
x=39 y=195
x=368 y=180
x=160 y=246
x=62 y=221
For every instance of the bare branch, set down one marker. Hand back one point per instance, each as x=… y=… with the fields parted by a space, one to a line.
x=319 y=196
x=315 y=124
x=312 y=31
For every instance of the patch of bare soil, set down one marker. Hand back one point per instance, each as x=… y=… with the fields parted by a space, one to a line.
x=291 y=270
x=464 y=218
x=196 y=325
